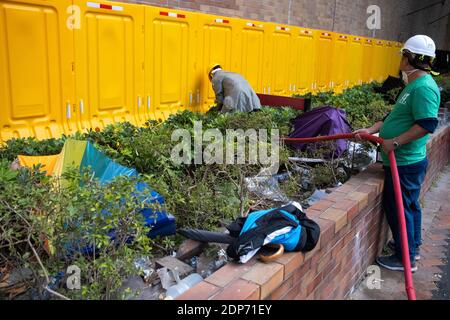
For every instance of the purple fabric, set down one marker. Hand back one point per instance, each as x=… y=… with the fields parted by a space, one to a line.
x=322 y=121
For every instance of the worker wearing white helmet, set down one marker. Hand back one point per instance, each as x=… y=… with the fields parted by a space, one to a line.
x=406 y=130
x=233 y=92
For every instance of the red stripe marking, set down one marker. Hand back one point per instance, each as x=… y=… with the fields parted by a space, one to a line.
x=164 y=14
x=105 y=6
x=181 y=16
x=226 y=21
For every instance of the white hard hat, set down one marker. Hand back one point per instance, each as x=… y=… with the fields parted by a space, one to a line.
x=421 y=44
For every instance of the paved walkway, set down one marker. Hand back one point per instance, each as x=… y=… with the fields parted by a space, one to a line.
x=432 y=280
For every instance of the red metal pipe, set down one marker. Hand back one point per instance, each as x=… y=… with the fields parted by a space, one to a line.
x=409 y=285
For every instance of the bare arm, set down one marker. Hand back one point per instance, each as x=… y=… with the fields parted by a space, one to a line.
x=416 y=132
x=373 y=129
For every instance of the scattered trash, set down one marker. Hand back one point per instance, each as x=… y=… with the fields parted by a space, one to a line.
x=316 y=196
x=166 y=279
x=183 y=285
x=360 y=157
x=144 y=265
x=173 y=264
x=307 y=160
x=266 y=187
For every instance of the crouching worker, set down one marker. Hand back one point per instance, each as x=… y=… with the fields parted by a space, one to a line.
x=233 y=92
x=406 y=130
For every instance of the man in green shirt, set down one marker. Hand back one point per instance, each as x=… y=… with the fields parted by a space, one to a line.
x=406 y=130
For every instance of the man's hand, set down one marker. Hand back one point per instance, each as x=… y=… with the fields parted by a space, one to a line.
x=358 y=132
x=388 y=145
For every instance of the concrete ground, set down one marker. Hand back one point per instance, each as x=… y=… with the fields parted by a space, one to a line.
x=432 y=279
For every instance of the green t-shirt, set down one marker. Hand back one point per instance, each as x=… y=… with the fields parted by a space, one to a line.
x=419 y=100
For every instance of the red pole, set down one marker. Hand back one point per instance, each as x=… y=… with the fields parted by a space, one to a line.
x=409 y=285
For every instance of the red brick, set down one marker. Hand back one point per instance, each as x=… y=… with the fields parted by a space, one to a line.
x=291 y=261
x=229 y=272
x=326 y=229
x=360 y=197
x=322 y=205
x=339 y=217
x=351 y=206
x=313 y=285
x=302 y=271
x=201 y=291
x=267 y=275
x=239 y=290
x=189 y=248
x=370 y=190
x=314 y=251
x=346 y=188
x=325 y=261
x=282 y=290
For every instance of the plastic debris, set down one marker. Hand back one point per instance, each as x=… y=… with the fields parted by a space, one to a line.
x=183 y=285
x=144 y=265
x=166 y=279
x=316 y=196
x=266 y=187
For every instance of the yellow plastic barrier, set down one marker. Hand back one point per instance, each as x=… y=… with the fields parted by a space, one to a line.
x=170 y=60
x=252 y=60
x=36 y=78
x=72 y=65
x=324 y=60
x=218 y=43
x=387 y=56
x=396 y=58
x=305 y=56
x=368 y=60
x=340 y=68
x=282 y=59
x=356 y=61
x=380 y=63
x=109 y=60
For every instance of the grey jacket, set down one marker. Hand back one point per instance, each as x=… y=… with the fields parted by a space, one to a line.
x=234 y=93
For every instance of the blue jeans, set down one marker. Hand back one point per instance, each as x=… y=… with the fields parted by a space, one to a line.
x=411 y=178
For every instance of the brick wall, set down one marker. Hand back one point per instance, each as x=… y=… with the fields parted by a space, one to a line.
x=353 y=232
x=346 y=16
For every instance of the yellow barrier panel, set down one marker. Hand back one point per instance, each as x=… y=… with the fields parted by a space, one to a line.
x=355 y=63
x=388 y=58
x=367 y=61
x=109 y=61
x=282 y=60
x=324 y=60
x=218 y=43
x=170 y=61
x=36 y=78
x=305 y=52
x=379 y=62
x=340 y=68
x=396 y=58
x=251 y=54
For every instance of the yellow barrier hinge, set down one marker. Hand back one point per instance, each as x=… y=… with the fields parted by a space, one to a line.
x=73 y=66
x=143 y=28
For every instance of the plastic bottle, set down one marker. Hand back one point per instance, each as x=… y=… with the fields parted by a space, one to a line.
x=183 y=285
